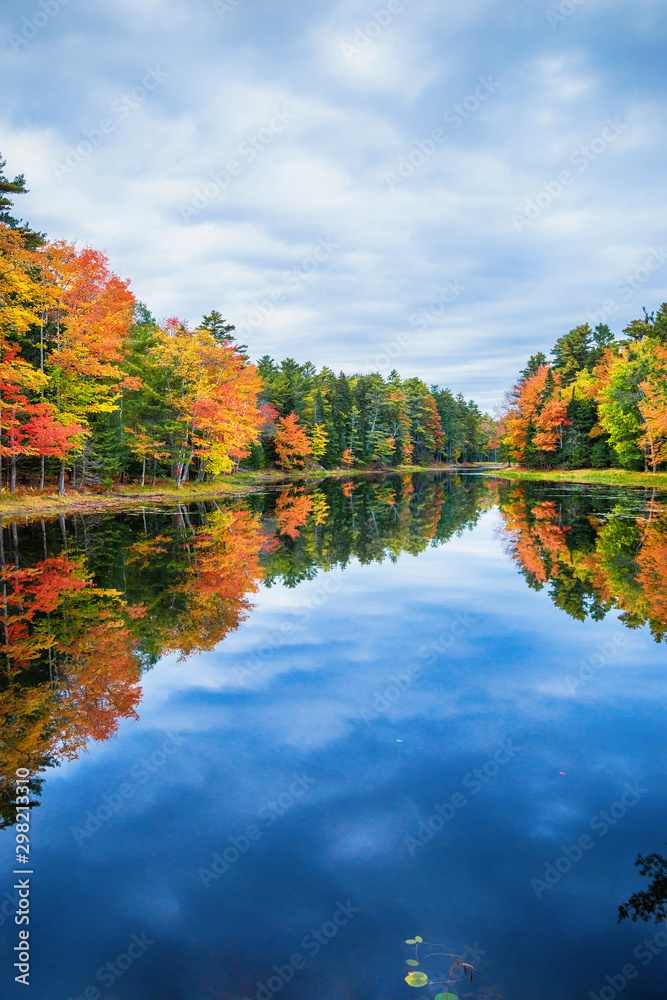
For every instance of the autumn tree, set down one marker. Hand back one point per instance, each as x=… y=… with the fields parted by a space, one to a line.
x=213 y=394
x=291 y=442
x=632 y=401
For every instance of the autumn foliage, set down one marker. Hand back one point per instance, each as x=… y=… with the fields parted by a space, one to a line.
x=600 y=402
x=591 y=564
x=292 y=444
x=77 y=387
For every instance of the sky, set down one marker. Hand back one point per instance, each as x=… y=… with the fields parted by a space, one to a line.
x=442 y=188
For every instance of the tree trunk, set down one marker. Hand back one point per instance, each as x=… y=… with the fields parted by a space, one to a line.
x=61 y=478
x=41 y=478
x=12 y=485
x=143 y=471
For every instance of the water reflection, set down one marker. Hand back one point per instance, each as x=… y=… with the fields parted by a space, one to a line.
x=89 y=603
x=594 y=555
x=92 y=603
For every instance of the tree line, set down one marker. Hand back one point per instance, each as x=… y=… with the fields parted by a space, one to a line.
x=94 y=390
x=599 y=402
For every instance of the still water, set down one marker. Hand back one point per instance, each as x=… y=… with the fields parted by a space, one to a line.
x=268 y=741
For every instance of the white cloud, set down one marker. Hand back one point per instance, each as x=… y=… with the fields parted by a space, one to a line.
x=325 y=172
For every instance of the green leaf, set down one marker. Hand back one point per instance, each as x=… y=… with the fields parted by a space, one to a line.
x=411 y=961
x=418 y=939
x=446 y=996
x=416 y=979
x=411 y=941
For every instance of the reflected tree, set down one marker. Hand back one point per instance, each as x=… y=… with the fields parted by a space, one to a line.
x=650 y=903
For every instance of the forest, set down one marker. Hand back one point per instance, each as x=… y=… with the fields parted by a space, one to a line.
x=95 y=391
x=599 y=403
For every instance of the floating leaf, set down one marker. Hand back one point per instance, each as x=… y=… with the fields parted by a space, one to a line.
x=411 y=941
x=418 y=939
x=416 y=979
x=411 y=961
x=446 y=996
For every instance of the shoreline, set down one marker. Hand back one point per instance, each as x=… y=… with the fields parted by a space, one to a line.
x=246 y=482
x=237 y=484
x=601 y=477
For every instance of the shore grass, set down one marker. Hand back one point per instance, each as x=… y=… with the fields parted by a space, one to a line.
x=35 y=503
x=606 y=477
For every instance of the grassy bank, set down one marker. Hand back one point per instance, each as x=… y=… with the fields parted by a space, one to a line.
x=607 y=477
x=35 y=503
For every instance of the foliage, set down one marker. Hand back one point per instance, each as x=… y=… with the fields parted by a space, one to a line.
x=93 y=388
x=291 y=442
x=601 y=402
x=648 y=903
x=591 y=563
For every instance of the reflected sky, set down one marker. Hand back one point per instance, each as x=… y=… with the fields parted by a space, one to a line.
x=311 y=750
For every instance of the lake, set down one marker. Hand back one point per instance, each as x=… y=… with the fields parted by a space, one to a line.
x=270 y=740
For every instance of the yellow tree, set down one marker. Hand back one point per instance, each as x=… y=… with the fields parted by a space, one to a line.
x=145 y=445
x=213 y=391
x=319 y=440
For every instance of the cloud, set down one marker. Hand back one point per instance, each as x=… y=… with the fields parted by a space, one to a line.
x=223 y=79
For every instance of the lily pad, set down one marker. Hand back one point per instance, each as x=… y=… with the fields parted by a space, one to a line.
x=411 y=941
x=446 y=996
x=416 y=979
x=418 y=939
x=411 y=961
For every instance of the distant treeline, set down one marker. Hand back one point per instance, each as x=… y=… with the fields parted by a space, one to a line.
x=93 y=389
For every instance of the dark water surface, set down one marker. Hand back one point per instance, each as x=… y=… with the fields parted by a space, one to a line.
x=279 y=737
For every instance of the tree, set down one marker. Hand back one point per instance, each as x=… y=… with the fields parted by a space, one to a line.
x=648 y=903
x=144 y=446
x=652 y=406
x=535 y=362
x=292 y=444
x=212 y=392
x=29 y=237
x=632 y=401
x=319 y=441
x=524 y=410
x=571 y=353
x=91 y=310
x=221 y=331
x=550 y=422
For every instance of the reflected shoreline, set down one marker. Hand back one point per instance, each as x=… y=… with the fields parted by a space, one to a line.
x=90 y=602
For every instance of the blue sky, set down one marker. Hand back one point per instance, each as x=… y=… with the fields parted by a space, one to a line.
x=439 y=187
